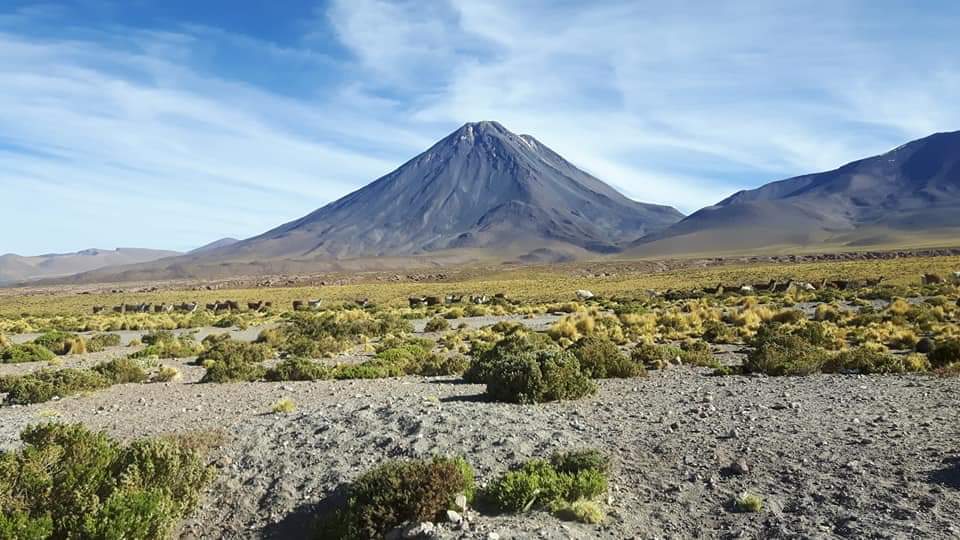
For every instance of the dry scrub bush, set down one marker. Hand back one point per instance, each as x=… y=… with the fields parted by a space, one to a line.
x=600 y=358
x=25 y=352
x=538 y=376
x=68 y=482
x=565 y=480
x=398 y=492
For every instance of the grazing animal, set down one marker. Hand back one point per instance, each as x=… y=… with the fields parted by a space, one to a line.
x=98 y=309
x=956 y=277
x=501 y=296
x=188 y=307
x=933 y=279
x=298 y=305
x=362 y=302
x=583 y=294
x=433 y=300
x=840 y=284
x=746 y=289
x=254 y=306
x=158 y=308
x=809 y=286
x=313 y=304
x=479 y=299
x=416 y=301
x=118 y=309
x=873 y=282
x=453 y=298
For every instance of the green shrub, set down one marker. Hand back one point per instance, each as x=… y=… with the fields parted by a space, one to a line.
x=865 y=360
x=158 y=336
x=220 y=349
x=600 y=358
x=44 y=385
x=435 y=365
x=579 y=460
x=778 y=353
x=436 y=324
x=121 y=371
x=298 y=369
x=26 y=352
x=550 y=484
x=945 y=353
x=698 y=353
x=537 y=377
x=583 y=511
x=398 y=492
x=748 y=502
x=100 y=342
x=68 y=482
x=312 y=335
x=653 y=356
x=62 y=343
x=164 y=344
x=484 y=359
x=232 y=369
x=371 y=369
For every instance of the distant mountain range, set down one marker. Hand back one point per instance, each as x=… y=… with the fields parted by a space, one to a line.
x=18 y=268
x=485 y=194
x=909 y=196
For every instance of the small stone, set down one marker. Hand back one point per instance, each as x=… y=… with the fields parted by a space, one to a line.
x=493 y=536
x=461 y=502
x=454 y=517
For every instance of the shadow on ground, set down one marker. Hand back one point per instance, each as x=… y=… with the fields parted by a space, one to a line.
x=306 y=521
x=948 y=476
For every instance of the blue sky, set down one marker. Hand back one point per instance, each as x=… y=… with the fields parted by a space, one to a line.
x=168 y=124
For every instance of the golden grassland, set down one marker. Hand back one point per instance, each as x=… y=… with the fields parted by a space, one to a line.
x=535 y=284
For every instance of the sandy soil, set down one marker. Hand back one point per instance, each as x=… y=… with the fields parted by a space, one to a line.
x=832 y=455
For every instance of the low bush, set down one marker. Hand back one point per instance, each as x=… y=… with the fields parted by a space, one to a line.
x=485 y=357
x=62 y=343
x=231 y=369
x=164 y=344
x=398 y=492
x=867 y=361
x=166 y=374
x=100 y=342
x=45 y=385
x=697 y=353
x=25 y=352
x=653 y=356
x=436 y=365
x=778 y=353
x=283 y=406
x=223 y=348
x=121 y=371
x=437 y=324
x=945 y=353
x=298 y=369
x=551 y=485
x=748 y=502
x=537 y=377
x=600 y=358
x=68 y=482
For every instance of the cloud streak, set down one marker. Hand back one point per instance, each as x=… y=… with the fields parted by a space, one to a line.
x=171 y=136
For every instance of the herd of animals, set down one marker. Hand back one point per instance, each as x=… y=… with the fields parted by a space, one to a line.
x=773 y=286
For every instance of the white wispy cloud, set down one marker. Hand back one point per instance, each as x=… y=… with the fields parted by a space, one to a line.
x=147 y=136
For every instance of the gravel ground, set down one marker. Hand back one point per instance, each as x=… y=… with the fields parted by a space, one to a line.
x=869 y=457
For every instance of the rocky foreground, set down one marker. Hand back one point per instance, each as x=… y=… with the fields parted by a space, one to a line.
x=831 y=455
